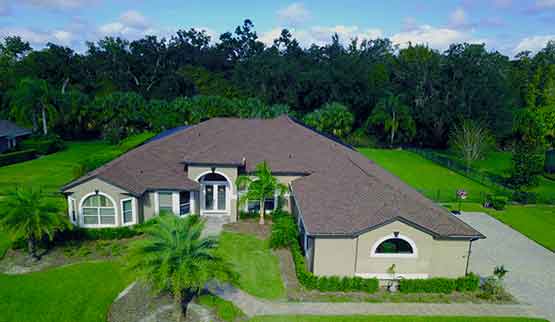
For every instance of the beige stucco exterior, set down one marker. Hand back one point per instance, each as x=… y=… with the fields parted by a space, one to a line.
x=353 y=256
x=115 y=194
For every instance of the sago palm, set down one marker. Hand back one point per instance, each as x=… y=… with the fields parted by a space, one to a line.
x=175 y=257
x=260 y=186
x=30 y=215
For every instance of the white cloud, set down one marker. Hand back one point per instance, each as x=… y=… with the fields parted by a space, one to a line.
x=322 y=35
x=533 y=44
x=457 y=18
x=438 y=38
x=293 y=14
x=131 y=24
x=38 y=39
x=134 y=19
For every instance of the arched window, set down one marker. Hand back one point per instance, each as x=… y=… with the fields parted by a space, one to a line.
x=394 y=245
x=98 y=210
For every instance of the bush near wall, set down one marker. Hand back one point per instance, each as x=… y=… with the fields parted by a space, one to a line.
x=43 y=144
x=468 y=283
x=16 y=157
x=284 y=234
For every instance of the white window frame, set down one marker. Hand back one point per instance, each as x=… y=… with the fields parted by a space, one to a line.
x=175 y=201
x=392 y=236
x=266 y=211
x=99 y=225
x=133 y=211
x=71 y=209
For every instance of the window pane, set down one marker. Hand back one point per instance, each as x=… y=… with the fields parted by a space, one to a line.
x=209 y=197
x=107 y=220
x=269 y=204
x=127 y=211
x=107 y=212
x=90 y=212
x=90 y=220
x=165 y=199
x=253 y=206
x=221 y=198
x=91 y=201
x=394 y=246
x=104 y=202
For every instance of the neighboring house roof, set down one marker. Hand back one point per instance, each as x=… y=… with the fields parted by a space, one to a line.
x=11 y=130
x=340 y=192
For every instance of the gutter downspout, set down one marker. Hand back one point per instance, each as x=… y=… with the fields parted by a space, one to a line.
x=468 y=257
x=356 y=258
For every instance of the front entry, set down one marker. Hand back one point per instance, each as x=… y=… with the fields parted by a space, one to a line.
x=214 y=195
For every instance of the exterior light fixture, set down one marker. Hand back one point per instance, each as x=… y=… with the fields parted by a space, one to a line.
x=396 y=234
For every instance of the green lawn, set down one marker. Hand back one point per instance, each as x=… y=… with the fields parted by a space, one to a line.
x=225 y=310
x=49 y=172
x=499 y=164
x=81 y=292
x=434 y=181
x=385 y=318
x=257 y=268
x=536 y=222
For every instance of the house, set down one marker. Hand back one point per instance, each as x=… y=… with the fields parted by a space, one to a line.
x=11 y=134
x=355 y=218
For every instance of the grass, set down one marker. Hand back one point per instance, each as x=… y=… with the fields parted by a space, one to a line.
x=5 y=242
x=225 y=310
x=385 y=318
x=434 y=181
x=499 y=163
x=81 y=292
x=536 y=222
x=256 y=267
x=53 y=171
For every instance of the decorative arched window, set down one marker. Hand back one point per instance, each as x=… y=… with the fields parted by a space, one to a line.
x=98 y=209
x=394 y=245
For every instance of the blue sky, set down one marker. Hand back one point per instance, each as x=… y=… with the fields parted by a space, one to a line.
x=509 y=26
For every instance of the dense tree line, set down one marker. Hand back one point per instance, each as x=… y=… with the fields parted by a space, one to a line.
x=413 y=95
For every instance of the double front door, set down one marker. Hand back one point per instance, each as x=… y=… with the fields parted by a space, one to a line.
x=214 y=198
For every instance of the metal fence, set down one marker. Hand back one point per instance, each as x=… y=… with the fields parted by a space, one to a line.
x=494 y=182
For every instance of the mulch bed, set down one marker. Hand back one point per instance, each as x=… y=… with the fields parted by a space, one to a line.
x=18 y=261
x=251 y=227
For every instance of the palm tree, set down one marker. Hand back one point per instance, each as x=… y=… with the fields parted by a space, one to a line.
x=31 y=216
x=31 y=98
x=263 y=185
x=174 y=257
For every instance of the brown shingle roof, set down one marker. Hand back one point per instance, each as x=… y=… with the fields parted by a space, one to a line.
x=343 y=193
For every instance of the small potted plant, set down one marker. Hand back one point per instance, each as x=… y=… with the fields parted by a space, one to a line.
x=461 y=195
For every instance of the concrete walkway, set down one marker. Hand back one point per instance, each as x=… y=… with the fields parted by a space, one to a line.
x=253 y=306
x=531 y=277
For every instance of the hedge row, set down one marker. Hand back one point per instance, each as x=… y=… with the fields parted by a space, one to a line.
x=43 y=144
x=15 y=157
x=468 y=283
x=285 y=234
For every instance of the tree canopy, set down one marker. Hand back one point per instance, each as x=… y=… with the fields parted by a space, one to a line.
x=117 y=86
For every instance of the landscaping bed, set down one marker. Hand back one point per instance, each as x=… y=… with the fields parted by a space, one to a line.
x=18 y=261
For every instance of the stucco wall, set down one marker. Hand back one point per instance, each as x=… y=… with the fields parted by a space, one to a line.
x=117 y=194
x=434 y=258
x=334 y=256
x=148 y=210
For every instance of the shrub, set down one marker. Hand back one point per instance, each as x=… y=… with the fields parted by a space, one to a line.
x=498 y=202
x=525 y=197
x=431 y=285
x=78 y=233
x=225 y=310
x=43 y=144
x=18 y=156
x=469 y=283
x=284 y=231
x=360 y=138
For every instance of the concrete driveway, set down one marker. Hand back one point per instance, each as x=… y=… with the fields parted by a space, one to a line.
x=531 y=277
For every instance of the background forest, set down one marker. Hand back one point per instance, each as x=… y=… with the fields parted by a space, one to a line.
x=365 y=92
